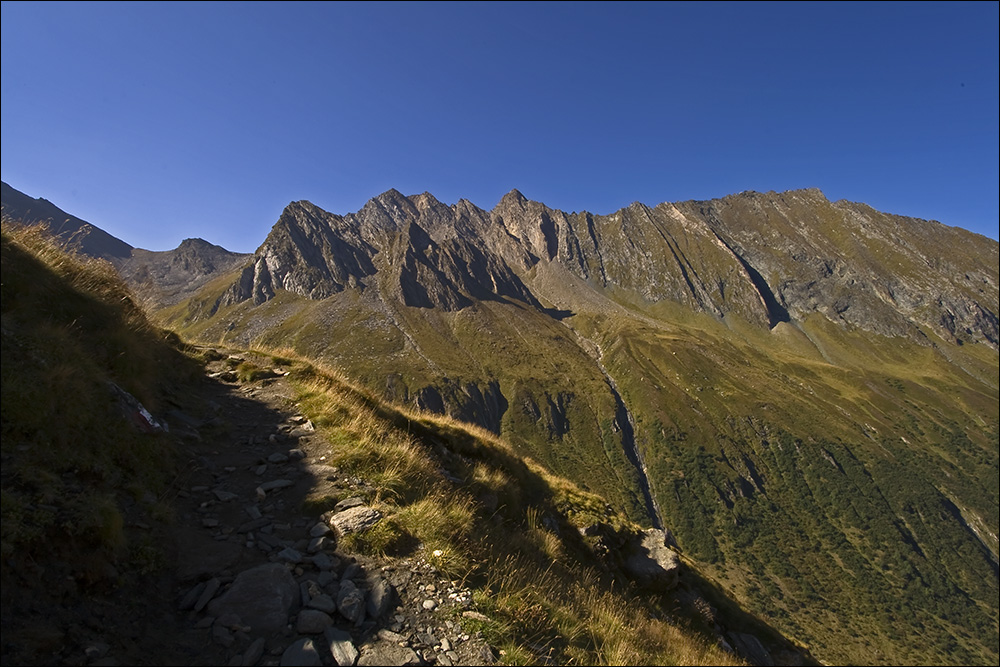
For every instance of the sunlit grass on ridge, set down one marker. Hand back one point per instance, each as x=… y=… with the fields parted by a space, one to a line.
x=459 y=496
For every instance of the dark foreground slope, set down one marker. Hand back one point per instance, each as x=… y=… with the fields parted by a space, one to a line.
x=803 y=391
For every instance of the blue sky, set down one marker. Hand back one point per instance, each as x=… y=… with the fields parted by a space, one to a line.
x=159 y=122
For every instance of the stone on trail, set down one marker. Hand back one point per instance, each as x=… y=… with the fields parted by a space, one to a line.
x=262 y=596
x=351 y=602
x=355 y=520
x=302 y=653
x=312 y=622
x=342 y=648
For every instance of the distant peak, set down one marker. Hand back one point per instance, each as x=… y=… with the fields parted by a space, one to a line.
x=515 y=195
x=199 y=244
x=426 y=200
x=194 y=242
x=392 y=195
x=513 y=198
x=299 y=204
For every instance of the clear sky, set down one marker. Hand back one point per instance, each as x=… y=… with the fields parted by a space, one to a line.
x=159 y=122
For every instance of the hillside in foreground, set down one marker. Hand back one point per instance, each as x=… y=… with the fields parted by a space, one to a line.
x=130 y=479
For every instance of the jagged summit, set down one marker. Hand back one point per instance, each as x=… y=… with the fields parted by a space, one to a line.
x=764 y=257
x=514 y=197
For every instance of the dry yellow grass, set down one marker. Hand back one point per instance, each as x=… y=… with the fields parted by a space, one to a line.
x=490 y=529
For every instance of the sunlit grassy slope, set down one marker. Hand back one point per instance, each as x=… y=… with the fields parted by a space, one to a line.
x=853 y=503
x=503 y=525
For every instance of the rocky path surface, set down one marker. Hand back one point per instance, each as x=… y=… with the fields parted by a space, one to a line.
x=257 y=580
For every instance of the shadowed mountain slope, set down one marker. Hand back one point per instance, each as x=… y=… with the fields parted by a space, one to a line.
x=71 y=230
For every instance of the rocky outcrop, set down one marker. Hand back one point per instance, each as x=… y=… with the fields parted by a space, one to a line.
x=651 y=563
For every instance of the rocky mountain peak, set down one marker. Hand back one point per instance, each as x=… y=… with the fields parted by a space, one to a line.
x=398 y=206
x=197 y=244
x=514 y=197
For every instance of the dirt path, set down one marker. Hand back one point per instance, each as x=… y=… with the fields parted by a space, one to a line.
x=251 y=578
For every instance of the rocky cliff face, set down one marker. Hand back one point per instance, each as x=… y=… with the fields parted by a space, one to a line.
x=764 y=258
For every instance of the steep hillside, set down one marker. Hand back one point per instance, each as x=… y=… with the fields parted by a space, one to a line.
x=803 y=391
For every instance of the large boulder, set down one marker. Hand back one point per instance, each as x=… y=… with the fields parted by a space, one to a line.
x=651 y=563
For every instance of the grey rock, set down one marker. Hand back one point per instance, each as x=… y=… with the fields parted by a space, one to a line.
x=385 y=653
x=342 y=648
x=224 y=496
x=317 y=544
x=323 y=603
x=276 y=484
x=253 y=653
x=347 y=503
x=320 y=529
x=323 y=562
x=289 y=555
x=302 y=653
x=351 y=602
x=253 y=524
x=355 y=519
x=390 y=636
x=211 y=588
x=312 y=621
x=652 y=564
x=191 y=597
x=379 y=598
x=262 y=596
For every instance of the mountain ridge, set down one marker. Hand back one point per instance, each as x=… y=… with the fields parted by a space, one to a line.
x=521 y=233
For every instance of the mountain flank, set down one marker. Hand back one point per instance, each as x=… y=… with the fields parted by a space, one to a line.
x=85 y=237
x=804 y=392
